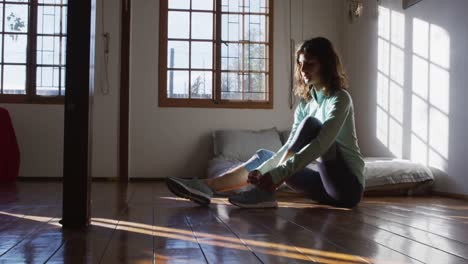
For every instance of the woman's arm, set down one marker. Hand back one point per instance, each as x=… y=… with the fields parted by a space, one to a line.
x=319 y=145
x=275 y=159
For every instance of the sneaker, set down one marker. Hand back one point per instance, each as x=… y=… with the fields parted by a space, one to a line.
x=192 y=189
x=254 y=198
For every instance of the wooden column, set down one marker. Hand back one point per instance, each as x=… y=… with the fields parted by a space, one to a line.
x=124 y=91
x=78 y=113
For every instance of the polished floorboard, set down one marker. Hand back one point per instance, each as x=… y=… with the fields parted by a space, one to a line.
x=144 y=223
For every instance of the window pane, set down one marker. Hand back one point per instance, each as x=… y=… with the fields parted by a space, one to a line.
x=177 y=84
x=256 y=6
x=178 y=24
x=62 y=81
x=14 y=79
x=52 y=2
x=254 y=29
x=64 y=51
x=202 y=25
x=255 y=57
x=202 y=54
x=255 y=87
x=201 y=84
x=179 y=4
x=15 y=48
x=64 y=19
x=231 y=56
x=231 y=86
x=202 y=4
x=232 y=5
x=47 y=80
x=231 y=27
x=48 y=20
x=48 y=50
x=1 y=47
x=178 y=54
x=16 y=18
x=1 y=17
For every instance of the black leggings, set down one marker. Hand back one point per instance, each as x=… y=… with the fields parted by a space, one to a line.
x=333 y=184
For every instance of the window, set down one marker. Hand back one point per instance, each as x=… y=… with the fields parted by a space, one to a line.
x=216 y=53
x=32 y=44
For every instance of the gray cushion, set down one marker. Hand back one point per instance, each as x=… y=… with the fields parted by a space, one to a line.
x=284 y=135
x=237 y=144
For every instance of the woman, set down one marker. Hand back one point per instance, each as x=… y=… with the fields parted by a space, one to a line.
x=323 y=131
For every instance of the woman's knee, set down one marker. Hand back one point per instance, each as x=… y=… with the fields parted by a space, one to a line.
x=313 y=122
x=306 y=132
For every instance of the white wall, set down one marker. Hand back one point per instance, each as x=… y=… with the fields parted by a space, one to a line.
x=39 y=132
x=176 y=141
x=106 y=106
x=360 y=50
x=39 y=128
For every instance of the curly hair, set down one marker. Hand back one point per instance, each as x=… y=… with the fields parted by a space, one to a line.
x=332 y=74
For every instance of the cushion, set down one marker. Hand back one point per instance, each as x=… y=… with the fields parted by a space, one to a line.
x=236 y=144
x=390 y=171
x=284 y=135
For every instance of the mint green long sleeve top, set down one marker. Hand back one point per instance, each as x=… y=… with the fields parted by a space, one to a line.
x=336 y=112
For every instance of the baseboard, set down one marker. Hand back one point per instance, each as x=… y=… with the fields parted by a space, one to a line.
x=450 y=195
x=94 y=179
x=60 y=179
x=43 y=179
x=147 y=179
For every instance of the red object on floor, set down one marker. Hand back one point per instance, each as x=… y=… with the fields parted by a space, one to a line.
x=9 y=150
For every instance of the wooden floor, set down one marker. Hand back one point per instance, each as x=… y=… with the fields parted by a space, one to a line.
x=145 y=223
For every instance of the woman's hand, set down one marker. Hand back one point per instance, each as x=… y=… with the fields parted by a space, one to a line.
x=254 y=177
x=264 y=181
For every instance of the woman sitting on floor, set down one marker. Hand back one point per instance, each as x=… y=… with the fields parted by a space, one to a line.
x=323 y=130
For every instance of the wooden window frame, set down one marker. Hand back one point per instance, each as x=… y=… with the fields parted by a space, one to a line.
x=216 y=101
x=30 y=97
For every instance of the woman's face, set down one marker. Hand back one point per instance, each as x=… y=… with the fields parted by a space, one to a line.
x=310 y=68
